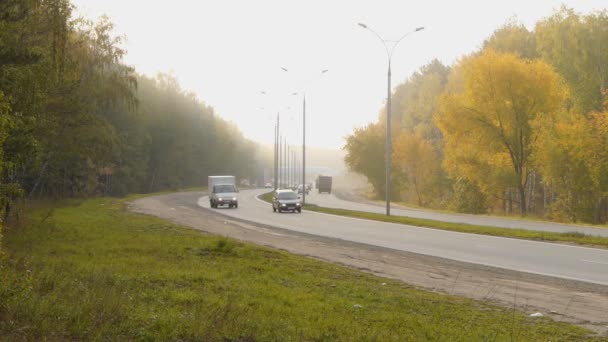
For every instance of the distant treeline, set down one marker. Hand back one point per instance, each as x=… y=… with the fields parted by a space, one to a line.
x=519 y=126
x=76 y=121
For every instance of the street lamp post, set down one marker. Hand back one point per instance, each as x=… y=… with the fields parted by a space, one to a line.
x=279 y=160
x=304 y=149
x=285 y=163
x=289 y=154
x=304 y=137
x=291 y=167
x=389 y=54
x=276 y=154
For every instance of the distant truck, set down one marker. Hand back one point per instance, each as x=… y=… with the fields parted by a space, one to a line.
x=324 y=184
x=222 y=191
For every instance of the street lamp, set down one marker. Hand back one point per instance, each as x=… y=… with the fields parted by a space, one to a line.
x=277 y=145
x=276 y=154
x=304 y=136
x=285 y=161
x=389 y=55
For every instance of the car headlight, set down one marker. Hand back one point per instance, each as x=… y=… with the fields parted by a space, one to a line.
x=283 y=205
x=298 y=204
x=234 y=198
x=221 y=199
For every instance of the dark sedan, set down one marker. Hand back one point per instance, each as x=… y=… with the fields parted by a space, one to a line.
x=286 y=200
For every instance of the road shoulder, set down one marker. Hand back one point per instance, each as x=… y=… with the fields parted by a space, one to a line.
x=570 y=301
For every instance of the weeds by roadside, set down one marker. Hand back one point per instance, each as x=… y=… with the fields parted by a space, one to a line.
x=99 y=272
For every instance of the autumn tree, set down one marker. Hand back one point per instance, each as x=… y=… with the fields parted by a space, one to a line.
x=417 y=160
x=415 y=101
x=577 y=47
x=488 y=127
x=572 y=153
x=513 y=37
x=598 y=163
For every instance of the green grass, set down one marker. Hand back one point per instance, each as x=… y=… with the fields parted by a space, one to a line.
x=165 y=192
x=94 y=271
x=570 y=237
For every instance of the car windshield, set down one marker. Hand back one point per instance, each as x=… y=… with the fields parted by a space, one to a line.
x=218 y=189
x=287 y=196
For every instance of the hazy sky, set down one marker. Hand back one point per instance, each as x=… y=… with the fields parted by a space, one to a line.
x=227 y=51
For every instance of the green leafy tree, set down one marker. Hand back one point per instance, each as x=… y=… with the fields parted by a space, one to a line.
x=577 y=47
x=468 y=198
x=365 y=154
x=513 y=37
x=83 y=124
x=415 y=101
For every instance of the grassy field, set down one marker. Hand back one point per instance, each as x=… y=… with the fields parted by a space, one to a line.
x=572 y=237
x=94 y=271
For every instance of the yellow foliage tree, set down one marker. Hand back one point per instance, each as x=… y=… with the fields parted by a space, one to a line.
x=572 y=154
x=489 y=126
x=416 y=158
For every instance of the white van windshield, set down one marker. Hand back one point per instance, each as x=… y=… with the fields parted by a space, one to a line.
x=223 y=188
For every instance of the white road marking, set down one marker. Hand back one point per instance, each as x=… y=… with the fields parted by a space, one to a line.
x=485 y=247
x=595 y=262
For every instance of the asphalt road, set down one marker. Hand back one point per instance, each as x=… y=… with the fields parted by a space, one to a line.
x=562 y=261
x=331 y=201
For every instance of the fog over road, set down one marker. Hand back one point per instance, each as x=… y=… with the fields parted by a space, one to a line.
x=563 y=261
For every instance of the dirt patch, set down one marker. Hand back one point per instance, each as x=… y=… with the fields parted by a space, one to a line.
x=564 y=300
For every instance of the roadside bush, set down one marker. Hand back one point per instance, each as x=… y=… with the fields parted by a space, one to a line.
x=14 y=285
x=221 y=246
x=468 y=198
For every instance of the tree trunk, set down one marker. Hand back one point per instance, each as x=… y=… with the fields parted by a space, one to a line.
x=7 y=211
x=417 y=192
x=531 y=195
x=601 y=211
x=153 y=179
x=522 y=199
x=40 y=175
x=544 y=198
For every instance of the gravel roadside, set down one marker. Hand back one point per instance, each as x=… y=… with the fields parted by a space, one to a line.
x=564 y=300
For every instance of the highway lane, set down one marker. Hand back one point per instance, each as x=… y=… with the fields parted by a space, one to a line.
x=331 y=201
x=563 y=261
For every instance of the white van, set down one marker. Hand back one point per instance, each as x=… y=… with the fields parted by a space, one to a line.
x=222 y=191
